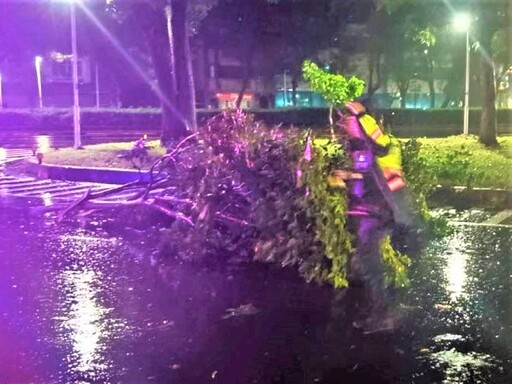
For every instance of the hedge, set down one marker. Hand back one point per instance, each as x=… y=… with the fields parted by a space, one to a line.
x=409 y=119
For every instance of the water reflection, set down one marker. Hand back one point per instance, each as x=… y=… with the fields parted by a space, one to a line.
x=90 y=309
x=455 y=271
x=478 y=270
x=47 y=199
x=489 y=287
x=84 y=321
x=43 y=143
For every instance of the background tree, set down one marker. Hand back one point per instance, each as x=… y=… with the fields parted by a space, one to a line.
x=167 y=40
x=408 y=40
x=269 y=37
x=335 y=88
x=21 y=40
x=313 y=26
x=115 y=40
x=375 y=49
x=491 y=19
x=240 y=30
x=18 y=30
x=167 y=26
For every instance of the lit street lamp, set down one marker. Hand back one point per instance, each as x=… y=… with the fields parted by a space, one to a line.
x=38 y=60
x=76 y=103
x=462 y=23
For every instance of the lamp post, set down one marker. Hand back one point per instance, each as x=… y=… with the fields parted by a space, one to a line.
x=285 y=86
x=97 y=83
x=462 y=22
x=1 y=98
x=37 y=61
x=77 y=143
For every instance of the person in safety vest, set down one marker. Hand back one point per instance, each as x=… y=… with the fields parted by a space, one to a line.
x=379 y=204
x=388 y=171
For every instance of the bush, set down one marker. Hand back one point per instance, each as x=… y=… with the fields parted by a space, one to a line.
x=463 y=161
x=409 y=122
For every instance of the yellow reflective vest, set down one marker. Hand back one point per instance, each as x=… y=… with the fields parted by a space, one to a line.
x=390 y=163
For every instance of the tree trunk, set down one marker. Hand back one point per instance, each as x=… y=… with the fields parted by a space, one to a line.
x=402 y=100
x=374 y=77
x=488 y=129
x=294 y=89
x=431 y=86
x=172 y=48
x=247 y=75
x=432 y=93
x=402 y=88
x=186 y=98
x=216 y=63
x=249 y=47
x=173 y=126
x=241 y=92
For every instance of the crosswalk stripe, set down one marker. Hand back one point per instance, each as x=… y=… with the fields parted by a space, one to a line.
x=54 y=190
x=45 y=190
x=11 y=154
x=14 y=184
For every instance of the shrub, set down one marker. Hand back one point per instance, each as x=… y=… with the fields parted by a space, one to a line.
x=409 y=122
x=463 y=161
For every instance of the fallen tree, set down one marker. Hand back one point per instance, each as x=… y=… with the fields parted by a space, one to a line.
x=237 y=189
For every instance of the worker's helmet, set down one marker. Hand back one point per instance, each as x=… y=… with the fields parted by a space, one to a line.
x=355 y=108
x=363 y=105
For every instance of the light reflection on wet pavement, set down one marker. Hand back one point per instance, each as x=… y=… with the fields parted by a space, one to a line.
x=80 y=306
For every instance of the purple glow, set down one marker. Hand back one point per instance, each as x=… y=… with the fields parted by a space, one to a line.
x=307 y=151
x=357 y=188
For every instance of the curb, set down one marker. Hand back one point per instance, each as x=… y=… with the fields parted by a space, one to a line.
x=94 y=175
x=458 y=197
x=465 y=198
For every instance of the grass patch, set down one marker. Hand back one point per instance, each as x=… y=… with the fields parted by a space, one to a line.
x=455 y=160
x=111 y=155
x=459 y=160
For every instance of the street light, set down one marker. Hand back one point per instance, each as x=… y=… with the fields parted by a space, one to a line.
x=285 y=86
x=1 y=98
x=462 y=23
x=97 y=83
x=76 y=102
x=37 y=61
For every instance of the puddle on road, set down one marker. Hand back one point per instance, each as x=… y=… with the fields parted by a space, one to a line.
x=80 y=306
x=474 y=313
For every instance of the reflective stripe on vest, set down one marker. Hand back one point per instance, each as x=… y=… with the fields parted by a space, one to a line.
x=373 y=131
x=356 y=108
x=394 y=179
x=376 y=134
x=389 y=173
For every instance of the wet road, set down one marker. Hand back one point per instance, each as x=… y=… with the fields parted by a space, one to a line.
x=79 y=305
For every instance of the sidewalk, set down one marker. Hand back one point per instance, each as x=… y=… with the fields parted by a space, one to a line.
x=30 y=187
x=94 y=175
x=44 y=191
x=50 y=184
x=12 y=154
x=67 y=183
